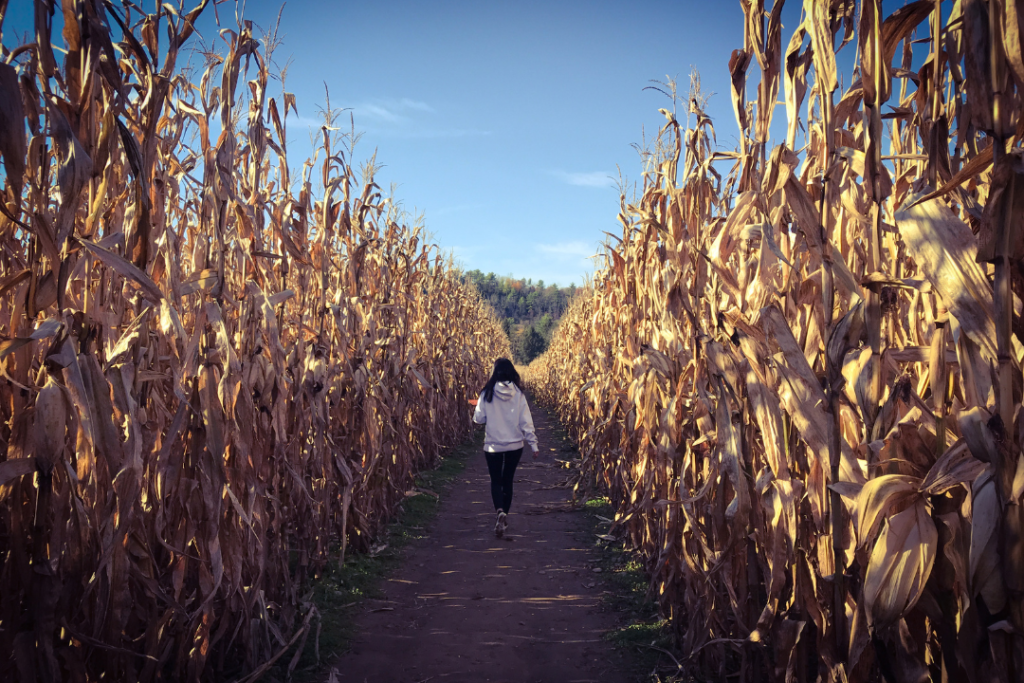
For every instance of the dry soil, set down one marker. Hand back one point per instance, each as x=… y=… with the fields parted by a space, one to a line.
x=468 y=607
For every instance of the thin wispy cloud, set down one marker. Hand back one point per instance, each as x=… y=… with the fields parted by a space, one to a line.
x=465 y=252
x=394 y=111
x=394 y=118
x=576 y=249
x=457 y=208
x=587 y=179
x=403 y=118
x=377 y=112
x=416 y=105
x=433 y=133
x=565 y=262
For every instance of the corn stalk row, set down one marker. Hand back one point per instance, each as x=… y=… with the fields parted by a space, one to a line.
x=215 y=377
x=800 y=384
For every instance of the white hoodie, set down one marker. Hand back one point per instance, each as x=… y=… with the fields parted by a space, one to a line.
x=508 y=420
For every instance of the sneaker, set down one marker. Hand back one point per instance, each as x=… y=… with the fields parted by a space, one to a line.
x=500 y=525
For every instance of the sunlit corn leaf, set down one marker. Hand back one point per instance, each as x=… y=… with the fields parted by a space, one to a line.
x=900 y=564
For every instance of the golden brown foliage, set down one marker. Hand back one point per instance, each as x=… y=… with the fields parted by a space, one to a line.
x=211 y=382
x=801 y=386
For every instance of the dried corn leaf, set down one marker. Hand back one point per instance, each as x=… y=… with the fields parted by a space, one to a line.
x=946 y=250
x=900 y=565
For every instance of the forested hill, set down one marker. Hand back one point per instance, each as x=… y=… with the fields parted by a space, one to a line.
x=529 y=310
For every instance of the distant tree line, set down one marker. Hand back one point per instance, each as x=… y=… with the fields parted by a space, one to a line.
x=529 y=310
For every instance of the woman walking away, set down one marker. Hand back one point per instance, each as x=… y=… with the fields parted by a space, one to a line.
x=503 y=408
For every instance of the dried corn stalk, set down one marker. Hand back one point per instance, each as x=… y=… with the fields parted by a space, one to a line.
x=215 y=376
x=801 y=385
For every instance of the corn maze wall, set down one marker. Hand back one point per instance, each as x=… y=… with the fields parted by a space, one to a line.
x=218 y=370
x=800 y=383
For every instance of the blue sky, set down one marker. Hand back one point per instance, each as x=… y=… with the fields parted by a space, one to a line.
x=502 y=123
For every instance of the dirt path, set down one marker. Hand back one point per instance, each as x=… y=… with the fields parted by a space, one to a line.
x=468 y=607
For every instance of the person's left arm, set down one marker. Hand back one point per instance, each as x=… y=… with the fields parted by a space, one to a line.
x=526 y=426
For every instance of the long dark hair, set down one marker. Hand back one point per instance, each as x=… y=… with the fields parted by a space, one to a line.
x=504 y=371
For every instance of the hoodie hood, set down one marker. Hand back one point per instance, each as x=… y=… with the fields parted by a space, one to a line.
x=506 y=391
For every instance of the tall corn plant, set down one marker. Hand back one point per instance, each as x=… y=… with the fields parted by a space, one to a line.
x=802 y=390
x=218 y=373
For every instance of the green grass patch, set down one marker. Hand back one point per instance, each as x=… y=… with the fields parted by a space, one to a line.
x=341 y=588
x=625 y=586
x=626 y=593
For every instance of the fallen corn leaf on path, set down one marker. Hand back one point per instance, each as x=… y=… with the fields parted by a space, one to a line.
x=466 y=606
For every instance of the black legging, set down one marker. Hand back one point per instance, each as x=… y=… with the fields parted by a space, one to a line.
x=502 y=467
